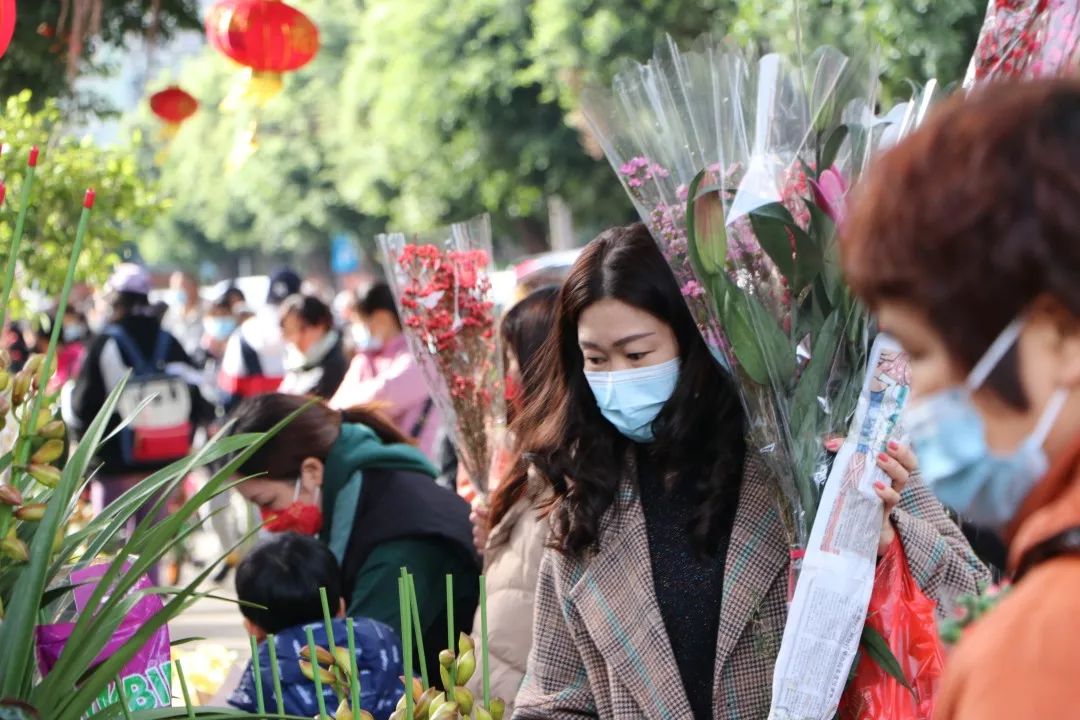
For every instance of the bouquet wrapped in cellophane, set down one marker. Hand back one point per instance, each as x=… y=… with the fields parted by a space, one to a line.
x=441 y=281
x=740 y=167
x=1026 y=39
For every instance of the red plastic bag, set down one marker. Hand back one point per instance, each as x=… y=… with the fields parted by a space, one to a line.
x=905 y=618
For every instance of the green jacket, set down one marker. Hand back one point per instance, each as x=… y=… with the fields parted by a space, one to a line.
x=382 y=512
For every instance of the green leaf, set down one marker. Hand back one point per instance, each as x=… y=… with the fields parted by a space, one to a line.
x=878 y=651
x=776 y=230
x=762 y=348
x=832 y=147
x=697 y=262
x=16 y=632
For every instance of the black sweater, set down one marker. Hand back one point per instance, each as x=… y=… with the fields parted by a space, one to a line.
x=688 y=587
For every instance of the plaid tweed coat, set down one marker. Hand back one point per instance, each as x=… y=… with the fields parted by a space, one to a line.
x=600 y=649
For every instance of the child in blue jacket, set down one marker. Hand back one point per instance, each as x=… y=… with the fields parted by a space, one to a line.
x=283 y=575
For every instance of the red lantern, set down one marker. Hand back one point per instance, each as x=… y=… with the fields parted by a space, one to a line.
x=7 y=24
x=173 y=105
x=267 y=36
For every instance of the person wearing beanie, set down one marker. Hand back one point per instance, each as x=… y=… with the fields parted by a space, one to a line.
x=254 y=360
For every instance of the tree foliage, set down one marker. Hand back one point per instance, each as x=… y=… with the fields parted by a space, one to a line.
x=37 y=59
x=126 y=204
x=421 y=112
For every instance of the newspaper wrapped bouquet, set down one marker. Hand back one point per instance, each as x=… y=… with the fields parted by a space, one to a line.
x=442 y=284
x=740 y=167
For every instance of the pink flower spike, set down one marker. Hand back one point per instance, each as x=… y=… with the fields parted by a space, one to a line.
x=88 y=200
x=830 y=190
x=32 y=161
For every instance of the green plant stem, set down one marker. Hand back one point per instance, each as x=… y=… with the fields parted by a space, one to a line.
x=275 y=673
x=327 y=619
x=318 y=680
x=184 y=689
x=122 y=696
x=418 y=632
x=484 y=641
x=406 y=641
x=354 y=670
x=22 y=452
x=256 y=670
x=16 y=241
x=450 y=644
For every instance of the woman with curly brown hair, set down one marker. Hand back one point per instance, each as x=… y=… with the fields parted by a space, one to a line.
x=664 y=594
x=964 y=240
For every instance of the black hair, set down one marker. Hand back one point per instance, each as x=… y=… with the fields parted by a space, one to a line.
x=379 y=297
x=283 y=575
x=699 y=434
x=526 y=326
x=233 y=294
x=310 y=309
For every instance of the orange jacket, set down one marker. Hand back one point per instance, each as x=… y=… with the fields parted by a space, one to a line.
x=1020 y=661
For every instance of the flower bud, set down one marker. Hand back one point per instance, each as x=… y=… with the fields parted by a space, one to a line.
x=322 y=655
x=308 y=671
x=342 y=659
x=33 y=363
x=446 y=674
x=465 y=668
x=54 y=429
x=464 y=699
x=10 y=495
x=497 y=708
x=44 y=417
x=20 y=386
x=47 y=475
x=32 y=512
x=464 y=644
x=49 y=452
x=5 y=380
x=446 y=711
x=344 y=712
x=14 y=549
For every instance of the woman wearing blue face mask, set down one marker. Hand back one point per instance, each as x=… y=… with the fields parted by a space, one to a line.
x=664 y=593
x=965 y=242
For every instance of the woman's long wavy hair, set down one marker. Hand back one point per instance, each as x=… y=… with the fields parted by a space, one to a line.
x=699 y=433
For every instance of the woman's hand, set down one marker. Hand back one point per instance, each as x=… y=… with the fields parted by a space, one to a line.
x=899 y=464
x=479 y=518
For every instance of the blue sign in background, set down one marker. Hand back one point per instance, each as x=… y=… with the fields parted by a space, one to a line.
x=344 y=257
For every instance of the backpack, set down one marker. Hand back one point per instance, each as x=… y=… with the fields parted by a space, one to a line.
x=162 y=431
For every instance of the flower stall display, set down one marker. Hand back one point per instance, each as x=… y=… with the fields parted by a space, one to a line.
x=740 y=167
x=1026 y=39
x=442 y=283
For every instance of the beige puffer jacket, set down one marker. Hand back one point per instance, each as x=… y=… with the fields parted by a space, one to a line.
x=511 y=563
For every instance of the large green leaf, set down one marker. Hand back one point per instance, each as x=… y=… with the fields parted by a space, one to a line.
x=831 y=147
x=762 y=348
x=91 y=632
x=878 y=651
x=797 y=254
x=16 y=632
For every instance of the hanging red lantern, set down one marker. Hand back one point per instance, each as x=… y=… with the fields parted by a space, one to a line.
x=267 y=36
x=7 y=24
x=173 y=105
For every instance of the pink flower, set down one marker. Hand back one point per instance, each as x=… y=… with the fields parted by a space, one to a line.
x=830 y=190
x=693 y=289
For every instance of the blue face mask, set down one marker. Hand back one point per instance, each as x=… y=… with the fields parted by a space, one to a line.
x=949 y=438
x=631 y=399
x=219 y=328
